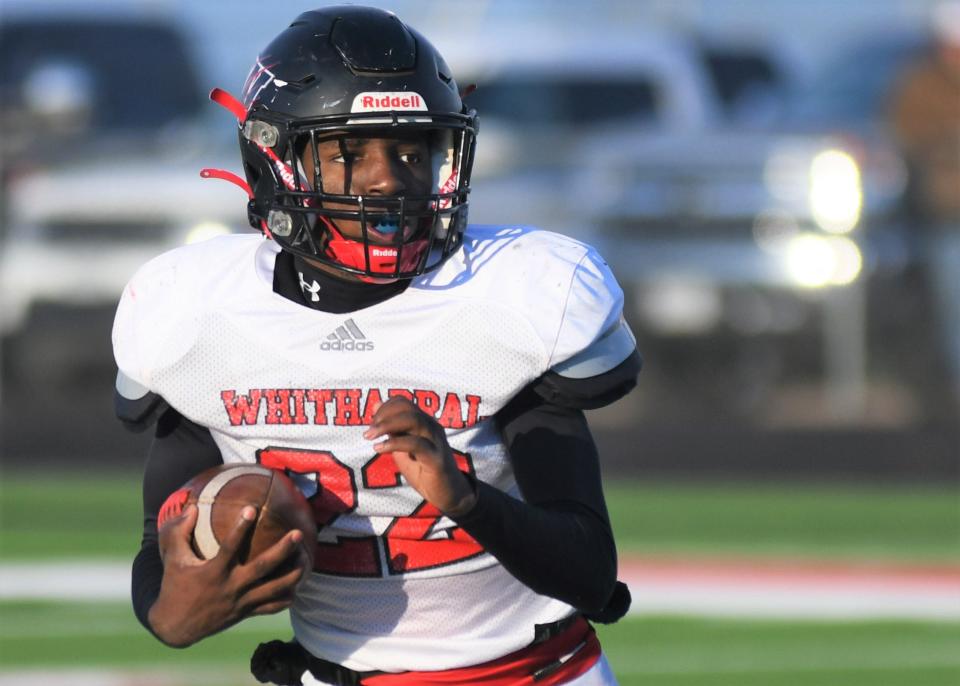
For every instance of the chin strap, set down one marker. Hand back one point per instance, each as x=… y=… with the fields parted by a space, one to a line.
x=224 y=175
x=383 y=258
x=235 y=107
x=230 y=103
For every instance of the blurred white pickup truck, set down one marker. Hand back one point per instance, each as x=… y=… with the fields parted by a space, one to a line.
x=106 y=130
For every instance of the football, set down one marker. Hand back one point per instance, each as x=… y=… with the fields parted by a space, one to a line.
x=222 y=492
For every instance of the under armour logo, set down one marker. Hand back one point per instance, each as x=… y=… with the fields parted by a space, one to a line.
x=312 y=288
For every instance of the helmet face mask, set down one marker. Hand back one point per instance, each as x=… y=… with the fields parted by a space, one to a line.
x=344 y=75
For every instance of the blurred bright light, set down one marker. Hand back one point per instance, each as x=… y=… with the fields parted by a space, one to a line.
x=205 y=231
x=815 y=261
x=849 y=260
x=680 y=305
x=836 y=194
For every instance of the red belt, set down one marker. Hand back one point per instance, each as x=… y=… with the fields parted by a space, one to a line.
x=557 y=660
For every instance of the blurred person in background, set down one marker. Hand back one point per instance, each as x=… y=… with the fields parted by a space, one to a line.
x=925 y=118
x=477 y=560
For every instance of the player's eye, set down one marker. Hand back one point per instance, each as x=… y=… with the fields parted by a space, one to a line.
x=412 y=158
x=336 y=152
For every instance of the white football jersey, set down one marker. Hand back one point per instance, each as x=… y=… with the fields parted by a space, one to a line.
x=396 y=586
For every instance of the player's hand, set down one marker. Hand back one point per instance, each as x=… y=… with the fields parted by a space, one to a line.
x=420 y=449
x=201 y=597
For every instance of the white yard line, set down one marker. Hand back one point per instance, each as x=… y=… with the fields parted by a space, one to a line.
x=680 y=588
x=743 y=600
x=65 y=581
x=120 y=677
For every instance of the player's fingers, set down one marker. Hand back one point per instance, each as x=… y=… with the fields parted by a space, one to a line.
x=305 y=562
x=231 y=545
x=272 y=608
x=415 y=445
x=271 y=558
x=397 y=402
x=393 y=406
x=282 y=588
x=182 y=525
x=403 y=422
x=175 y=535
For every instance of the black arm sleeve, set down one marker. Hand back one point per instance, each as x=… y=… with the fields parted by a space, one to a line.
x=179 y=451
x=559 y=542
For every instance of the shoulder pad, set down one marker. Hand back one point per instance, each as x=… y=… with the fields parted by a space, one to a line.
x=135 y=405
x=598 y=375
x=591 y=392
x=612 y=347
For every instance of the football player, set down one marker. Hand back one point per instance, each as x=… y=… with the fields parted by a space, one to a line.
x=423 y=380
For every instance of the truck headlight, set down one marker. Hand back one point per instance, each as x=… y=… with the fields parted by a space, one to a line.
x=835 y=191
x=815 y=261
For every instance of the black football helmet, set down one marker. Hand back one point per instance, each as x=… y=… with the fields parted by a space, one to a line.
x=354 y=72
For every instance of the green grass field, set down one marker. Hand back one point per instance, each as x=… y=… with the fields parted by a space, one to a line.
x=98 y=517
x=669 y=651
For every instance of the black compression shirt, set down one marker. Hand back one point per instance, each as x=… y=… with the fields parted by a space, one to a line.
x=558 y=542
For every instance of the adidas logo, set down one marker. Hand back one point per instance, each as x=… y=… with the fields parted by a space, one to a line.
x=347 y=337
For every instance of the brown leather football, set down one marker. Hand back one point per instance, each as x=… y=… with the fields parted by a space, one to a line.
x=222 y=492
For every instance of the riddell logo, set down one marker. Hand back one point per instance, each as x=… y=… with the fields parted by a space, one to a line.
x=383 y=252
x=384 y=102
x=347 y=338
